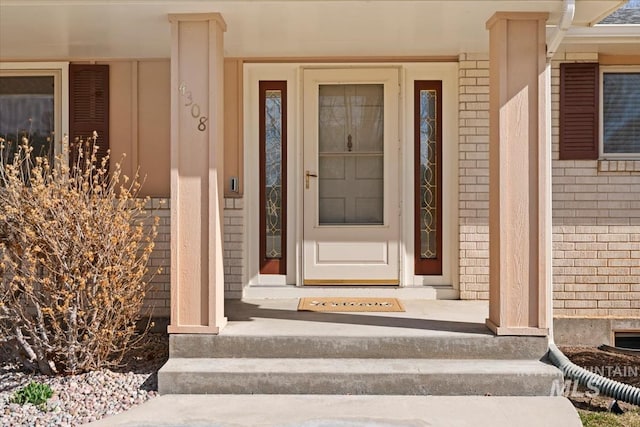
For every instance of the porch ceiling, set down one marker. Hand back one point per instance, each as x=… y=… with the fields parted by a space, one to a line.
x=65 y=29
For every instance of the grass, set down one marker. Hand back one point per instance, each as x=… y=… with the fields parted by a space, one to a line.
x=606 y=419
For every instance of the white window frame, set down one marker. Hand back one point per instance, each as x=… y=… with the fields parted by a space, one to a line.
x=60 y=73
x=611 y=70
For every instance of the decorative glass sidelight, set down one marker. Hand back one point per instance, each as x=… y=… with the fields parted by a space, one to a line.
x=351 y=154
x=428 y=174
x=428 y=177
x=272 y=177
x=273 y=173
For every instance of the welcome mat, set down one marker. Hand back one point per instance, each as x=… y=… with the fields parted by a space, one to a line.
x=350 y=304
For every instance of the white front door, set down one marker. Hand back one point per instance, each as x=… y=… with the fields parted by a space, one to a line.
x=351 y=176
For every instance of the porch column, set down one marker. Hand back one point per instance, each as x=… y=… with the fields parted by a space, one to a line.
x=197 y=275
x=519 y=176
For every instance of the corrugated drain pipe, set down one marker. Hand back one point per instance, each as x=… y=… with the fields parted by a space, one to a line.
x=606 y=386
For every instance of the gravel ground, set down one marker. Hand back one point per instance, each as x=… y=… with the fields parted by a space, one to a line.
x=79 y=399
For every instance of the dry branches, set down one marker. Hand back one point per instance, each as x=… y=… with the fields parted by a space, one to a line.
x=74 y=246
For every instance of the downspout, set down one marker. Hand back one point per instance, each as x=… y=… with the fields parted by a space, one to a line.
x=568 y=12
x=605 y=386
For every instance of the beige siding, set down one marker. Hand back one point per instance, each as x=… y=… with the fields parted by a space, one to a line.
x=140 y=132
x=154 y=124
x=139 y=121
x=233 y=128
x=122 y=139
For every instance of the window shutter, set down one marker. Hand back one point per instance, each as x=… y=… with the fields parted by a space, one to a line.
x=579 y=111
x=89 y=106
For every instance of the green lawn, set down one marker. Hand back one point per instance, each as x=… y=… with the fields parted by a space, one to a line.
x=606 y=419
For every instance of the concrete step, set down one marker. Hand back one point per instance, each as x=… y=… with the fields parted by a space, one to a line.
x=460 y=346
x=347 y=411
x=357 y=376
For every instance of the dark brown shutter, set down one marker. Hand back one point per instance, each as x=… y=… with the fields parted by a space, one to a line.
x=89 y=105
x=579 y=111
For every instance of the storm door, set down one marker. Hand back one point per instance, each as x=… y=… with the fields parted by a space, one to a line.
x=351 y=177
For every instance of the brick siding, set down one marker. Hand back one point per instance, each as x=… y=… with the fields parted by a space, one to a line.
x=473 y=175
x=596 y=226
x=596 y=211
x=159 y=296
x=233 y=246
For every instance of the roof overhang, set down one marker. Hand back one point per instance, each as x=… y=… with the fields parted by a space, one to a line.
x=605 y=39
x=72 y=29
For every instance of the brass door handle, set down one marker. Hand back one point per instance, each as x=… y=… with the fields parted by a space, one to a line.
x=307 y=176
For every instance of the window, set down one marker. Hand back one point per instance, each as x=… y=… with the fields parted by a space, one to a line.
x=599 y=112
x=428 y=177
x=32 y=99
x=273 y=176
x=620 y=113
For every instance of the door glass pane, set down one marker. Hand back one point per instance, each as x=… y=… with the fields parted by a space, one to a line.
x=351 y=154
x=26 y=110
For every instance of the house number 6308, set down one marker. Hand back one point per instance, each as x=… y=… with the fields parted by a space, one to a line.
x=195 y=108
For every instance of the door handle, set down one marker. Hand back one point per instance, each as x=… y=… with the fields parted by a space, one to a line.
x=307 y=176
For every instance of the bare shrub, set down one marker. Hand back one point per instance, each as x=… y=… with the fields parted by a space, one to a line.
x=74 y=246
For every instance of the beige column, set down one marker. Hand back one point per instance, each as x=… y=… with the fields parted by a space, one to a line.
x=519 y=176
x=197 y=116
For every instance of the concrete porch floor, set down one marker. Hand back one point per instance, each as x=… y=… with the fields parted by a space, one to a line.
x=423 y=318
